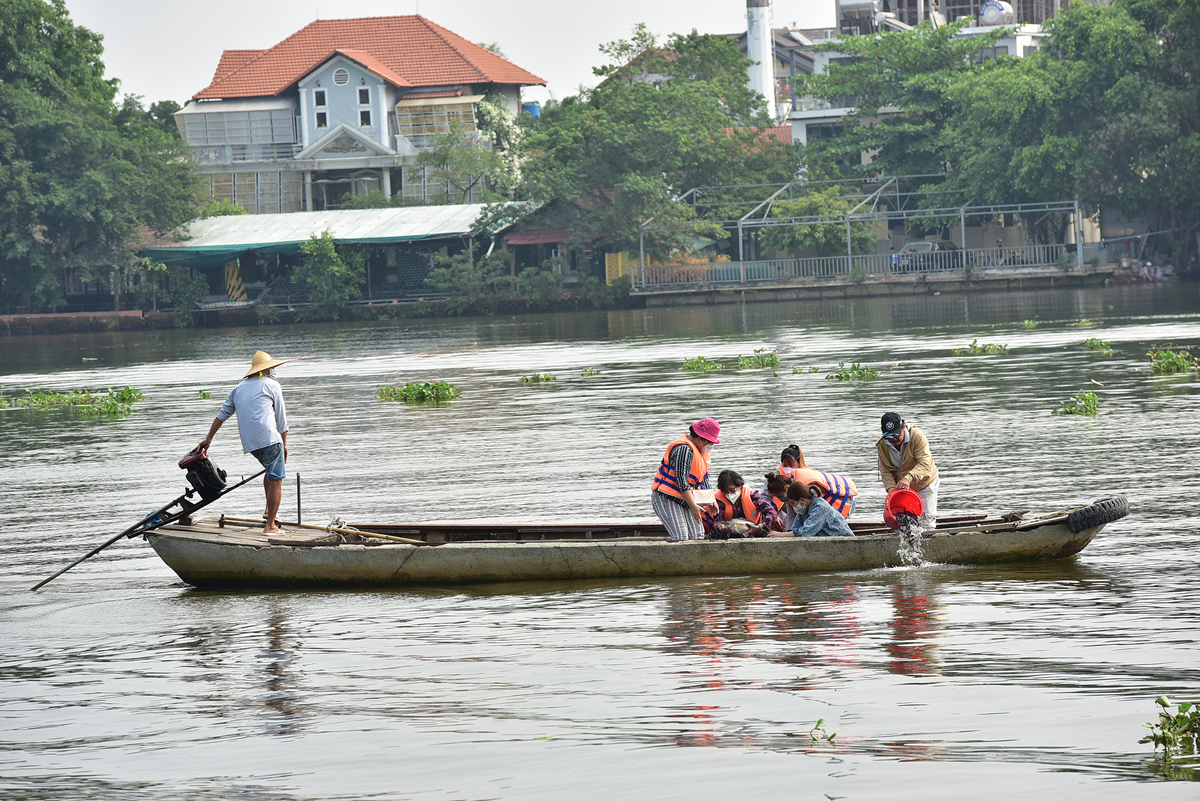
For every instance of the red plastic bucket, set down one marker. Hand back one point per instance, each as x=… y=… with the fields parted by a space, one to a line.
x=902 y=502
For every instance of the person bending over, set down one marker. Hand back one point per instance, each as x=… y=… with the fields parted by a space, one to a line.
x=736 y=502
x=812 y=516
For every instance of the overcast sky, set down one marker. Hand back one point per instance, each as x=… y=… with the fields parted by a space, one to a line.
x=166 y=50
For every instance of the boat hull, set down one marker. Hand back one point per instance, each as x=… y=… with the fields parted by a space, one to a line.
x=206 y=561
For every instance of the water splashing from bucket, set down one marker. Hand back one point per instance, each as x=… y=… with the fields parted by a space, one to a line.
x=911 y=530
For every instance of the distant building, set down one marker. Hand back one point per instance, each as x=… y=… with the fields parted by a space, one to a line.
x=340 y=106
x=792 y=55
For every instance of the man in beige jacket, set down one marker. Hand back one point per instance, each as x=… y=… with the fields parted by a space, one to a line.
x=906 y=463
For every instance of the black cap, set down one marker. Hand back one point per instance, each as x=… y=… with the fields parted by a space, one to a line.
x=891 y=423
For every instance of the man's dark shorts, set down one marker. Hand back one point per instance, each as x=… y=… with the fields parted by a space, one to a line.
x=271 y=457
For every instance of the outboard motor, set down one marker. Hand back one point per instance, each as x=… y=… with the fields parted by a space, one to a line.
x=206 y=477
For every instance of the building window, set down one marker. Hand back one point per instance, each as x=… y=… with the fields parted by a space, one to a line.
x=364 y=118
x=364 y=97
x=322 y=119
x=319 y=97
x=341 y=76
x=423 y=121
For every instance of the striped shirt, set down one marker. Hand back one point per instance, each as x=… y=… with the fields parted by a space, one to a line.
x=681 y=460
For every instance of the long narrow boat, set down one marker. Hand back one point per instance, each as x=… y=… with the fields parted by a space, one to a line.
x=230 y=552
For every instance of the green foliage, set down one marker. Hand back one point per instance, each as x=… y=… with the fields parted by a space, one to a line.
x=817 y=733
x=589 y=371
x=622 y=153
x=475 y=282
x=800 y=370
x=855 y=372
x=1082 y=403
x=1084 y=323
x=1176 y=733
x=1167 y=361
x=986 y=349
x=701 y=365
x=220 y=207
x=1029 y=323
x=85 y=403
x=1097 y=345
x=204 y=394
x=81 y=177
x=540 y=286
x=377 y=200
x=429 y=392
x=821 y=238
x=538 y=378
x=858 y=274
x=332 y=275
x=459 y=161
x=761 y=359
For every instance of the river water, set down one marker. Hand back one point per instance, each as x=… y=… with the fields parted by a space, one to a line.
x=119 y=682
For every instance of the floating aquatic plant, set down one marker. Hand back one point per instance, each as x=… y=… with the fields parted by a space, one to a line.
x=1097 y=345
x=204 y=394
x=817 y=733
x=701 y=365
x=1083 y=403
x=428 y=392
x=86 y=403
x=1175 y=732
x=589 y=371
x=1167 y=361
x=1029 y=324
x=986 y=349
x=855 y=372
x=1085 y=322
x=538 y=378
x=760 y=359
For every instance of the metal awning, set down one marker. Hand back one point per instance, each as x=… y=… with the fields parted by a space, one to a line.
x=217 y=240
x=249 y=104
x=438 y=101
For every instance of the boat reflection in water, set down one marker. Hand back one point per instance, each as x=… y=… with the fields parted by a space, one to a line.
x=916 y=628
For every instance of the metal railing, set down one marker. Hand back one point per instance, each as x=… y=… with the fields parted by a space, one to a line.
x=654 y=276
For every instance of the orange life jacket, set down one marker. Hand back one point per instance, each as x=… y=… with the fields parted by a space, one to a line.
x=837 y=490
x=748 y=509
x=665 y=480
x=779 y=503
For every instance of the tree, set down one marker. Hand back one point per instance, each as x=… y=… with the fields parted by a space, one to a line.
x=331 y=274
x=665 y=119
x=460 y=161
x=826 y=238
x=82 y=181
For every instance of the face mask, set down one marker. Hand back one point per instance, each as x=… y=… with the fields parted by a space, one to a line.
x=707 y=448
x=733 y=496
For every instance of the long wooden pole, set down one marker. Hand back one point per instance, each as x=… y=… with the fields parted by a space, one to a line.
x=141 y=527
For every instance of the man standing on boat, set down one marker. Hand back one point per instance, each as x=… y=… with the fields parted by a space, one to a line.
x=684 y=469
x=262 y=424
x=906 y=463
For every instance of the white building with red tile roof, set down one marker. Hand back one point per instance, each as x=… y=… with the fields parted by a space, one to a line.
x=340 y=106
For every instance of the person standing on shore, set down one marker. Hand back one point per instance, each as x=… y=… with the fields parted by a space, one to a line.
x=683 y=470
x=906 y=463
x=262 y=424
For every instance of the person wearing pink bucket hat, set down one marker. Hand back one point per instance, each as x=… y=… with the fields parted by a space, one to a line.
x=684 y=470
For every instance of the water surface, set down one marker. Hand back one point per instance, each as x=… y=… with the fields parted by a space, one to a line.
x=120 y=682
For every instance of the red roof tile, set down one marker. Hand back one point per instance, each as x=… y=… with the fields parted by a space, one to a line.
x=374 y=65
x=233 y=60
x=411 y=49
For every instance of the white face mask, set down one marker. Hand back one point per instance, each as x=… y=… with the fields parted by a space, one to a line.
x=733 y=496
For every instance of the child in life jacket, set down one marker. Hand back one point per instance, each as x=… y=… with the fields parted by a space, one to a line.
x=739 y=511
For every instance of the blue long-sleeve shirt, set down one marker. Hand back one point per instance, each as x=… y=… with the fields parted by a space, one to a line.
x=821 y=520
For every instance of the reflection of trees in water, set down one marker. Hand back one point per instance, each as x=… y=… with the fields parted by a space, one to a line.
x=915 y=624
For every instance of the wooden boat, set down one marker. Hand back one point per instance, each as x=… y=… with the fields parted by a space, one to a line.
x=231 y=552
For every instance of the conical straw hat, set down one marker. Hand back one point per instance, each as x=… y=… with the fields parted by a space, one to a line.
x=262 y=361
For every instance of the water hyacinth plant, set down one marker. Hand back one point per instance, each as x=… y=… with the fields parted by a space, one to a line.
x=855 y=372
x=986 y=349
x=1029 y=323
x=429 y=392
x=1082 y=403
x=701 y=365
x=1097 y=345
x=538 y=378
x=800 y=370
x=760 y=359
x=590 y=371
x=86 y=403
x=1167 y=361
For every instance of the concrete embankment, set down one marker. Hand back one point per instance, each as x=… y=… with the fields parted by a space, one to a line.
x=899 y=286
x=82 y=322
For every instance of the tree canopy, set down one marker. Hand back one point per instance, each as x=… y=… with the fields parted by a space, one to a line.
x=1106 y=112
x=82 y=177
x=666 y=118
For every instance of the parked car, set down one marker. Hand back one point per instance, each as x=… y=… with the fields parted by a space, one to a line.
x=939 y=255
